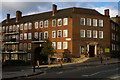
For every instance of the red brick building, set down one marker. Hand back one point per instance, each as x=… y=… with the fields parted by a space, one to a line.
x=77 y=31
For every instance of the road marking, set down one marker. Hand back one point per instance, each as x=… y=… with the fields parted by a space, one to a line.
x=115 y=77
x=100 y=72
x=59 y=72
x=43 y=73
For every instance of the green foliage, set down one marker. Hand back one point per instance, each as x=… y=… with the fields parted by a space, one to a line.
x=47 y=49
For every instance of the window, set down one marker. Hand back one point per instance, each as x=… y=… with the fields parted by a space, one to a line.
x=100 y=34
x=59 y=22
x=29 y=36
x=41 y=24
x=88 y=21
x=59 y=33
x=21 y=36
x=94 y=22
x=89 y=33
x=21 y=46
x=53 y=34
x=30 y=26
x=25 y=47
x=36 y=35
x=54 y=45
x=113 y=36
x=46 y=23
x=54 y=22
x=36 y=25
x=101 y=23
x=29 y=46
x=25 y=36
x=29 y=56
x=10 y=28
x=82 y=33
x=25 y=26
x=21 y=26
x=65 y=33
x=113 y=26
x=94 y=34
x=45 y=34
x=82 y=49
x=82 y=21
x=40 y=36
x=6 y=28
x=14 y=56
x=65 y=21
x=14 y=27
x=65 y=45
x=17 y=29
x=59 y=45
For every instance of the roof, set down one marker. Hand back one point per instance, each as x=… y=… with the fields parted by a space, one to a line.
x=68 y=12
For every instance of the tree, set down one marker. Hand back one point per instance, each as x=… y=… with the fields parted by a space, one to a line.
x=47 y=49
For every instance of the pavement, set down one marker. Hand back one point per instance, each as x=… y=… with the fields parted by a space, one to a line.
x=29 y=72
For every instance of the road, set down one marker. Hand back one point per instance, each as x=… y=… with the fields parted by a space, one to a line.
x=75 y=71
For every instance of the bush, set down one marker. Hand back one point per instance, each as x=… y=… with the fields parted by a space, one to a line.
x=15 y=62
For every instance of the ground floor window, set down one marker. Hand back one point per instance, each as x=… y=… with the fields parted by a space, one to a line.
x=6 y=56
x=29 y=56
x=82 y=50
x=14 y=56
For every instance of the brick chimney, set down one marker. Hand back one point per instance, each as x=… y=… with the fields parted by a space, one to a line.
x=18 y=15
x=8 y=18
x=107 y=12
x=117 y=19
x=54 y=9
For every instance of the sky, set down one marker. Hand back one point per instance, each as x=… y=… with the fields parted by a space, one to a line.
x=34 y=7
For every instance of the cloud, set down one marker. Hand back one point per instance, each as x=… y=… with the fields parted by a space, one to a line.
x=113 y=12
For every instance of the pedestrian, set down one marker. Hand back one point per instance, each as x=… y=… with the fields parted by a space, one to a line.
x=61 y=64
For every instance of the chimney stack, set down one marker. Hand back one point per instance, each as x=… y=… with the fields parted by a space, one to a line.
x=107 y=12
x=8 y=18
x=54 y=9
x=117 y=19
x=18 y=15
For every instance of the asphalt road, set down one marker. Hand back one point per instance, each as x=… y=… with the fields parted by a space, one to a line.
x=111 y=71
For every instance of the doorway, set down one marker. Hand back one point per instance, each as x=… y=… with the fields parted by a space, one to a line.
x=91 y=50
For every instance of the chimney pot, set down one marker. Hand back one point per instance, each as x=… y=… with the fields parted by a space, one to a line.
x=8 y=18
x=54 y=9
x=18 y=15
x=107 y=12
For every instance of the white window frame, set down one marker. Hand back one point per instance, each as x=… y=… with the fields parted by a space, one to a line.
x=95 y=34
x=54 y=45
x=54 y=35
x=58 y=33
x=59 y=45
x=36 y=25
x=21 y=36
x=45 y=35
x=29 y=35
x=21 y=26
x=25 y=26
x=100 y=34
x=14 y=27
x=65 y=45
x=41 y=24
x=25 y=36
x=65 y=21
x=65 y=33
x=89 y=33
x=10 y=28
x=29 y=46
x=101 y=23
x=53 y=25
x=40 y=35
x=59 y=21
x=36 y=35
x=29 y=25
x=94 y=22
x=82 y=22
x=88 y=21
x=46 y=23
x=82 y=33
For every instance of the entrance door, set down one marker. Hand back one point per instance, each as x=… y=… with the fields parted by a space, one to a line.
x=91 y=51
